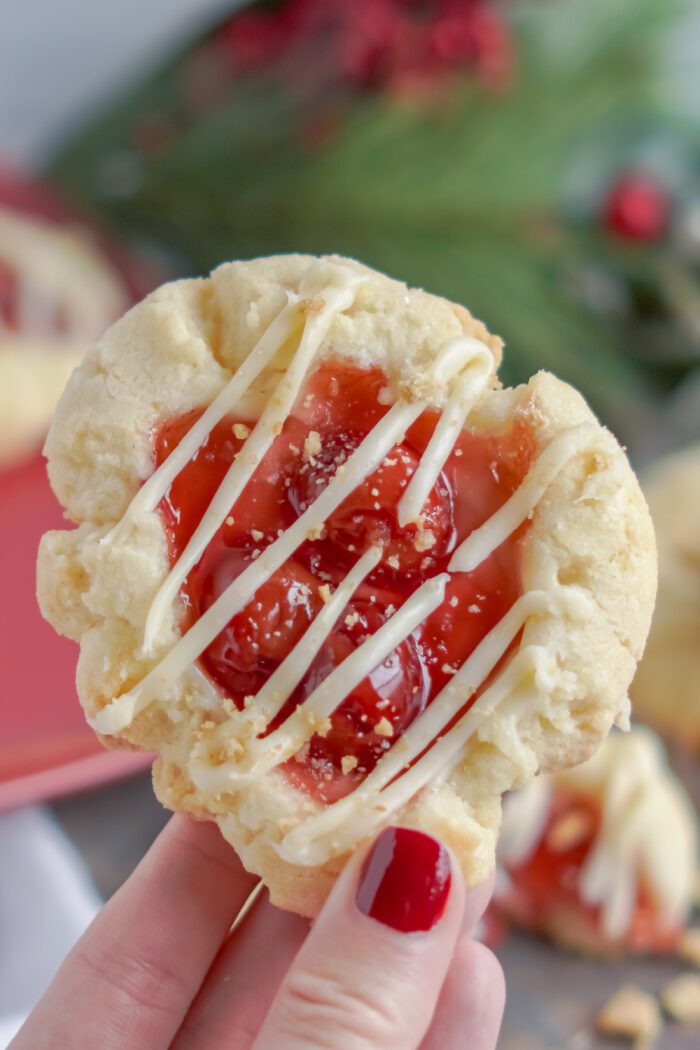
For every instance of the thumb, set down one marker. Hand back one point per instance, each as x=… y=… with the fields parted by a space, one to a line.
x=370 y=972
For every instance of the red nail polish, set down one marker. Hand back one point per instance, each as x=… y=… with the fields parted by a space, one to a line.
x=405 y=880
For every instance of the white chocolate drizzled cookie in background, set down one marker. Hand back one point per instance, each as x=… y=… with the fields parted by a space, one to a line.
x=666 y=688
x=58 y=294
x=603 y=858
x=331 y=571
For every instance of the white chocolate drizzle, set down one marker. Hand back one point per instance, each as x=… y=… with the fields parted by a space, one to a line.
x=483 y=541
x=265 y=754
x=284 y=680
x=647 y=829
x=235 y=751
x=478 y=365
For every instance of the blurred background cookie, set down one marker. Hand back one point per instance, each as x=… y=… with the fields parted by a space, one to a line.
x=666 y=688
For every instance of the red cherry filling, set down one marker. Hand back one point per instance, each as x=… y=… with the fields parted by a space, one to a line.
x=545 y=888
x=369 y=514
x=259 y=637
x=335 y=412
x=378 y=709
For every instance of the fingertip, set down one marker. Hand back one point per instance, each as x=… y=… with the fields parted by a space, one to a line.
x=476 y=901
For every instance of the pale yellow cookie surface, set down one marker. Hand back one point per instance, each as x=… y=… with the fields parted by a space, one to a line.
x=590 y=545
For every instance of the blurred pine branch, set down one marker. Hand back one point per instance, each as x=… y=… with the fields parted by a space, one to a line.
x=467 y=193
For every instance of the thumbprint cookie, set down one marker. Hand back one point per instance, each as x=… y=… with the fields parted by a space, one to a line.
x=331 y=571
x=602 y=858
x=666 y=688
x=59 y=291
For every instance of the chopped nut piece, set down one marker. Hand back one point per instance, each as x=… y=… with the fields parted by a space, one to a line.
x=384 y=396
x=351 y=619
x=631 y=1014
x=681 y=998
x=241 y=431
x=424 y=540
x=449 y=669
x=312 y=445
x=277 y=428
x=384 y=727
x=568 y=831
x=325 y=592
x=316 y=533
x=256 y=534
x=320 y=724
x=348 y=763
x=393 y=561
x=314 y=305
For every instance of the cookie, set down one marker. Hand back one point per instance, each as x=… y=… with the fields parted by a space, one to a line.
x=331 y=571
x=603 y=858
x=58 y=293
x=666 y=689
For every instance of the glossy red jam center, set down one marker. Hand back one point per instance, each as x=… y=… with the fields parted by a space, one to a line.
x=338 y=407
x=548 y=882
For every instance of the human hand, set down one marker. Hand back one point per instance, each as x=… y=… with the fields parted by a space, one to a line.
x=386 y=965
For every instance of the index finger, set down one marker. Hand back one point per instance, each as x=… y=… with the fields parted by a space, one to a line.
x=130 y=979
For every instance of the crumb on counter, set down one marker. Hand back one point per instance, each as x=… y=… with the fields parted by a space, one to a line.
x=681 y=998
x=689 y=947
x=631 y=1014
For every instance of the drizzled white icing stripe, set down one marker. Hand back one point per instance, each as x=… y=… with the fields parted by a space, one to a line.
x=521 y=505
x=265 y=754
x=154 y=488
x=439 y=713
x=363 y=461
x=276 y=411
x=323 y=835
x=270 y=700
x=469 y=387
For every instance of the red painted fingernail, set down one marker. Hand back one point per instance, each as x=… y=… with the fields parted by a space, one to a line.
x=405 y=880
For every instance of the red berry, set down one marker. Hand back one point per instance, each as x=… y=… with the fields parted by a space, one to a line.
x=636 y=208
x=259 y=637
x=476 y=37
x=368 y=41
x=253 y=39
x=369 y=514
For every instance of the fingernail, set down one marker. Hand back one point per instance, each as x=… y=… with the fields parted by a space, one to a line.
x=405 y=880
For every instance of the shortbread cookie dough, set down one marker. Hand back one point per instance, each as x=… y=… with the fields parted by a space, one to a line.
x=603 y=858
x=331 y=571
x=666 y=689
x=58 y=294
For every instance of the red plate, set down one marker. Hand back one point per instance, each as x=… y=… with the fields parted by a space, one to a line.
x=46 y=749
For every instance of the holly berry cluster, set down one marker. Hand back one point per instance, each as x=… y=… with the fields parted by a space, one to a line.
x=397 y=45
